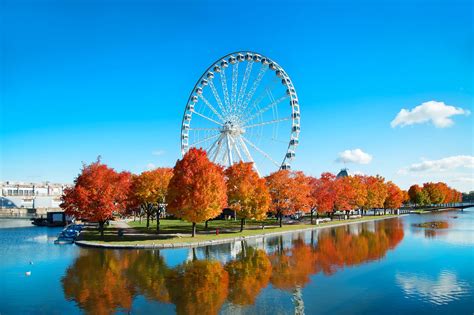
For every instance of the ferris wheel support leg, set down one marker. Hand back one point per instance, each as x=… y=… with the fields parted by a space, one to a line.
x=247 y=153
x=236 y=148
x=229 y=151
x=219 y=145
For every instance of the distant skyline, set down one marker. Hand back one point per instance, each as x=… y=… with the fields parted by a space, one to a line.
x=385 y=87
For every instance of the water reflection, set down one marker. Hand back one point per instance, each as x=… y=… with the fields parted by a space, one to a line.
x=106 y=281
x=439 y=291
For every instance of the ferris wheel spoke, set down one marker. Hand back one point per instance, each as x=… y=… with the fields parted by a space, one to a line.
x=266 y=108
x=261 y=151
x=275 y=121
x=205 y=117
x=235 y=79
x=245 y=82
x=217 y=97
x=203 y=129
x=224 y=87
x=255 y=86
x=211 y=107
x=204 y=140
x=261 y=96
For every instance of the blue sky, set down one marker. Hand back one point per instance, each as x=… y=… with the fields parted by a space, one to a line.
x=86 y=78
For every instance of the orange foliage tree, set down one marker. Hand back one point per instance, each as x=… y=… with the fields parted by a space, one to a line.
x=98 y=192
x=376 y=192
x=197 y=190
x=149 y=189
x=289 y=192
x=198 y=287
x=247 y=193
x=395 y=197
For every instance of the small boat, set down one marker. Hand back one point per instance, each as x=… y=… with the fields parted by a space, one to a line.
x=69 y=234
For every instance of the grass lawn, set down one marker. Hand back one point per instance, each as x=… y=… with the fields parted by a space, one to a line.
x=228 y=229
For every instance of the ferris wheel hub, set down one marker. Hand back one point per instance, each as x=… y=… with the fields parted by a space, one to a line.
x=232 y=129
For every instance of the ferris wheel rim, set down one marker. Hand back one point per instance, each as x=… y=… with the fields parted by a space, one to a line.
x=295 y=108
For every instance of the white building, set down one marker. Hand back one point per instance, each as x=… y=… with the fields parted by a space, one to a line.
x=30 y=195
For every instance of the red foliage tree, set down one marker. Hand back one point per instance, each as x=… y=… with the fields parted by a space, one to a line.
x=98 y=192
x=289 y=192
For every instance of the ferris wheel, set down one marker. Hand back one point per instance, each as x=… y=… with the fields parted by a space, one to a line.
x=244 y=107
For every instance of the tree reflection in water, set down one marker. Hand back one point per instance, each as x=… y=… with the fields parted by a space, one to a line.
x=106 y=281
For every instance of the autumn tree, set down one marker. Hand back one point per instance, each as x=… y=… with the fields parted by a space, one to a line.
x=435 y=195
x=289 y=192
x=418 y=196
x=150 y=189
x=197 y=190
x=376 y=192
x=394 y=197
x=98 y=192
x=247 y=193
x=322 y=193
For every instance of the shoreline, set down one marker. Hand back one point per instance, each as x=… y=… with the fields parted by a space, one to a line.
x=223 y=240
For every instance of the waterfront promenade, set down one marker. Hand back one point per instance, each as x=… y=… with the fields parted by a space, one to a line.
x=134 y=238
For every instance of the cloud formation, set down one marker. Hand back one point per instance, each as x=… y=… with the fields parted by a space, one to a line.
x=356 y=156
x=150 y=166
x=437 y=112
x=158 y=152
x=447 y=163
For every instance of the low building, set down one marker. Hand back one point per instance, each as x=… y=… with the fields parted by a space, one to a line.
x=34 y=196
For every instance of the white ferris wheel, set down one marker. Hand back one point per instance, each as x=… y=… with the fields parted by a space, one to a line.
x=244 y=107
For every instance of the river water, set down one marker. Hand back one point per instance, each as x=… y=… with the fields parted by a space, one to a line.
x=383 y=267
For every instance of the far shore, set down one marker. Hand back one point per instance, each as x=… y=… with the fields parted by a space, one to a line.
x=161 y=241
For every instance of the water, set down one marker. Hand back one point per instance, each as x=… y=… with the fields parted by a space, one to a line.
x=388 y=266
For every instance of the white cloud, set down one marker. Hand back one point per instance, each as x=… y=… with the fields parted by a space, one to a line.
x=356 y=156
x=150 y=166
x=158 y=152
x=463 y=180
x=447 y=163
x=437 y=112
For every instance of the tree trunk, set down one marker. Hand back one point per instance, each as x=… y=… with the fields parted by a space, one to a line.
x=281 y=219
x=147 y=220
x=194 y=229
x=312 y=211
x=206 y=224
x=241 y=225
x=101 y=228
x=157 y=224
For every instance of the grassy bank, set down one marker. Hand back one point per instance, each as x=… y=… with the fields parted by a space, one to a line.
x=178 y=232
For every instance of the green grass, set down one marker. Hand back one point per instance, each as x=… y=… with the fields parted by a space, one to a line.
x=228 y=229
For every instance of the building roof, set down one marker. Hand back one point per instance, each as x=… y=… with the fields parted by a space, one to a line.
x=343 y=173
